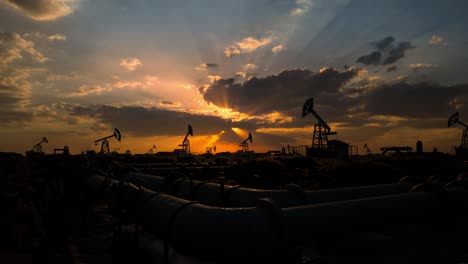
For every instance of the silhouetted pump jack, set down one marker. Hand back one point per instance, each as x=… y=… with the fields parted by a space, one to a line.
x=38 y=146
x=105 y=144
x=211 y=150
x=452 y=121
x=186 y=143
x=245 y=143
x=152 y=149
x=321 y=128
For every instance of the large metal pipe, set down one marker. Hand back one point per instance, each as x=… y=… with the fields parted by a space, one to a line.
x=255 y=232
x=234 y=196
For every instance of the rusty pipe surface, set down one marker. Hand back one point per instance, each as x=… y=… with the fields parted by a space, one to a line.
x=220 y=232
x=234 y=196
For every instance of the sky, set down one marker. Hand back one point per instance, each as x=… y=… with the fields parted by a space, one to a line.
x=382 y=73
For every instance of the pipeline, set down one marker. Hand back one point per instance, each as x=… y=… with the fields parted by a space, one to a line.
x=216 y=233
x=235 y=196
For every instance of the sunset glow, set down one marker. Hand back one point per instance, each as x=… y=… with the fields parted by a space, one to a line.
x=75 y=70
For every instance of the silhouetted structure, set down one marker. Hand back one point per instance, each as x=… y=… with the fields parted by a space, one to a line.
x=38 y=146
x=463 y=148
x=151 y=151
x=367 y=149
x=397 y=150
x=186 y=143
x=105 y=144
x=321 y=146
x=245 y=143
x=64 y=150
x=419 y=147
x=321 y=128
x=211 y=150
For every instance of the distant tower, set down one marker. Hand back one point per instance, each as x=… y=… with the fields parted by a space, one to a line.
x=419 y=147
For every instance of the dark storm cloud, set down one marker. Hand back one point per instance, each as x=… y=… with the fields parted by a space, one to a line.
x=141 y=121
x=370 y=59
x=422 y=100
x=286 y=90
x=391 y=68
x=384 y=43
x=387 y=51
x=397 y=52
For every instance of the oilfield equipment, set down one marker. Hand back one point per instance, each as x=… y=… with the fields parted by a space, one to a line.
x=397 y=150
x=230 y=224
x=65 y=150
x=463 y=148
x=211 y=150
x=105 y=144
x=38 y=146
x=367 y=149
x=245 y=144
x=186 y=142
x=321 y=129
x=152 y=149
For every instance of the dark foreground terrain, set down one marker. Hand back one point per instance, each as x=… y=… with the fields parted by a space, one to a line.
x=53 y=214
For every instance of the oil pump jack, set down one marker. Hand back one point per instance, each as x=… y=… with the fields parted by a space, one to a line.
x=186 y=143
x=105 y=144
x=210 y=150
x=321 y=128
x=152 y=149
x=367 y=149
x=245 y=143
x=463 y=148
x=38 y=146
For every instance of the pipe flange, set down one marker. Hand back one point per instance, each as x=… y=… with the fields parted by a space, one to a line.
x=298 y=191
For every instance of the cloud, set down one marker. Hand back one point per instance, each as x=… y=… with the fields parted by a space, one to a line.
x=246 y=45
x=280 y=92
x=249 y=67
x=278 y=49
x=397 y=52
x=15 y=86
x=386 y=50
x=63 y=77
x=231 y=51
x=418 y=66
x=415 y=101
x=214 y=78
x=384 y=43
x=205 y=66
x=57 y=37
x=241 y=74
x=151 y=121
x=371 y=59
x=13 y=46
x=391 y=68
x=302 y=7
x=43 y=10
x=436 y=40
x=130 y=64
x=97 y=89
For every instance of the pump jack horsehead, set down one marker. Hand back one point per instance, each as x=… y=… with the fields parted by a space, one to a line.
x=105 y=144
